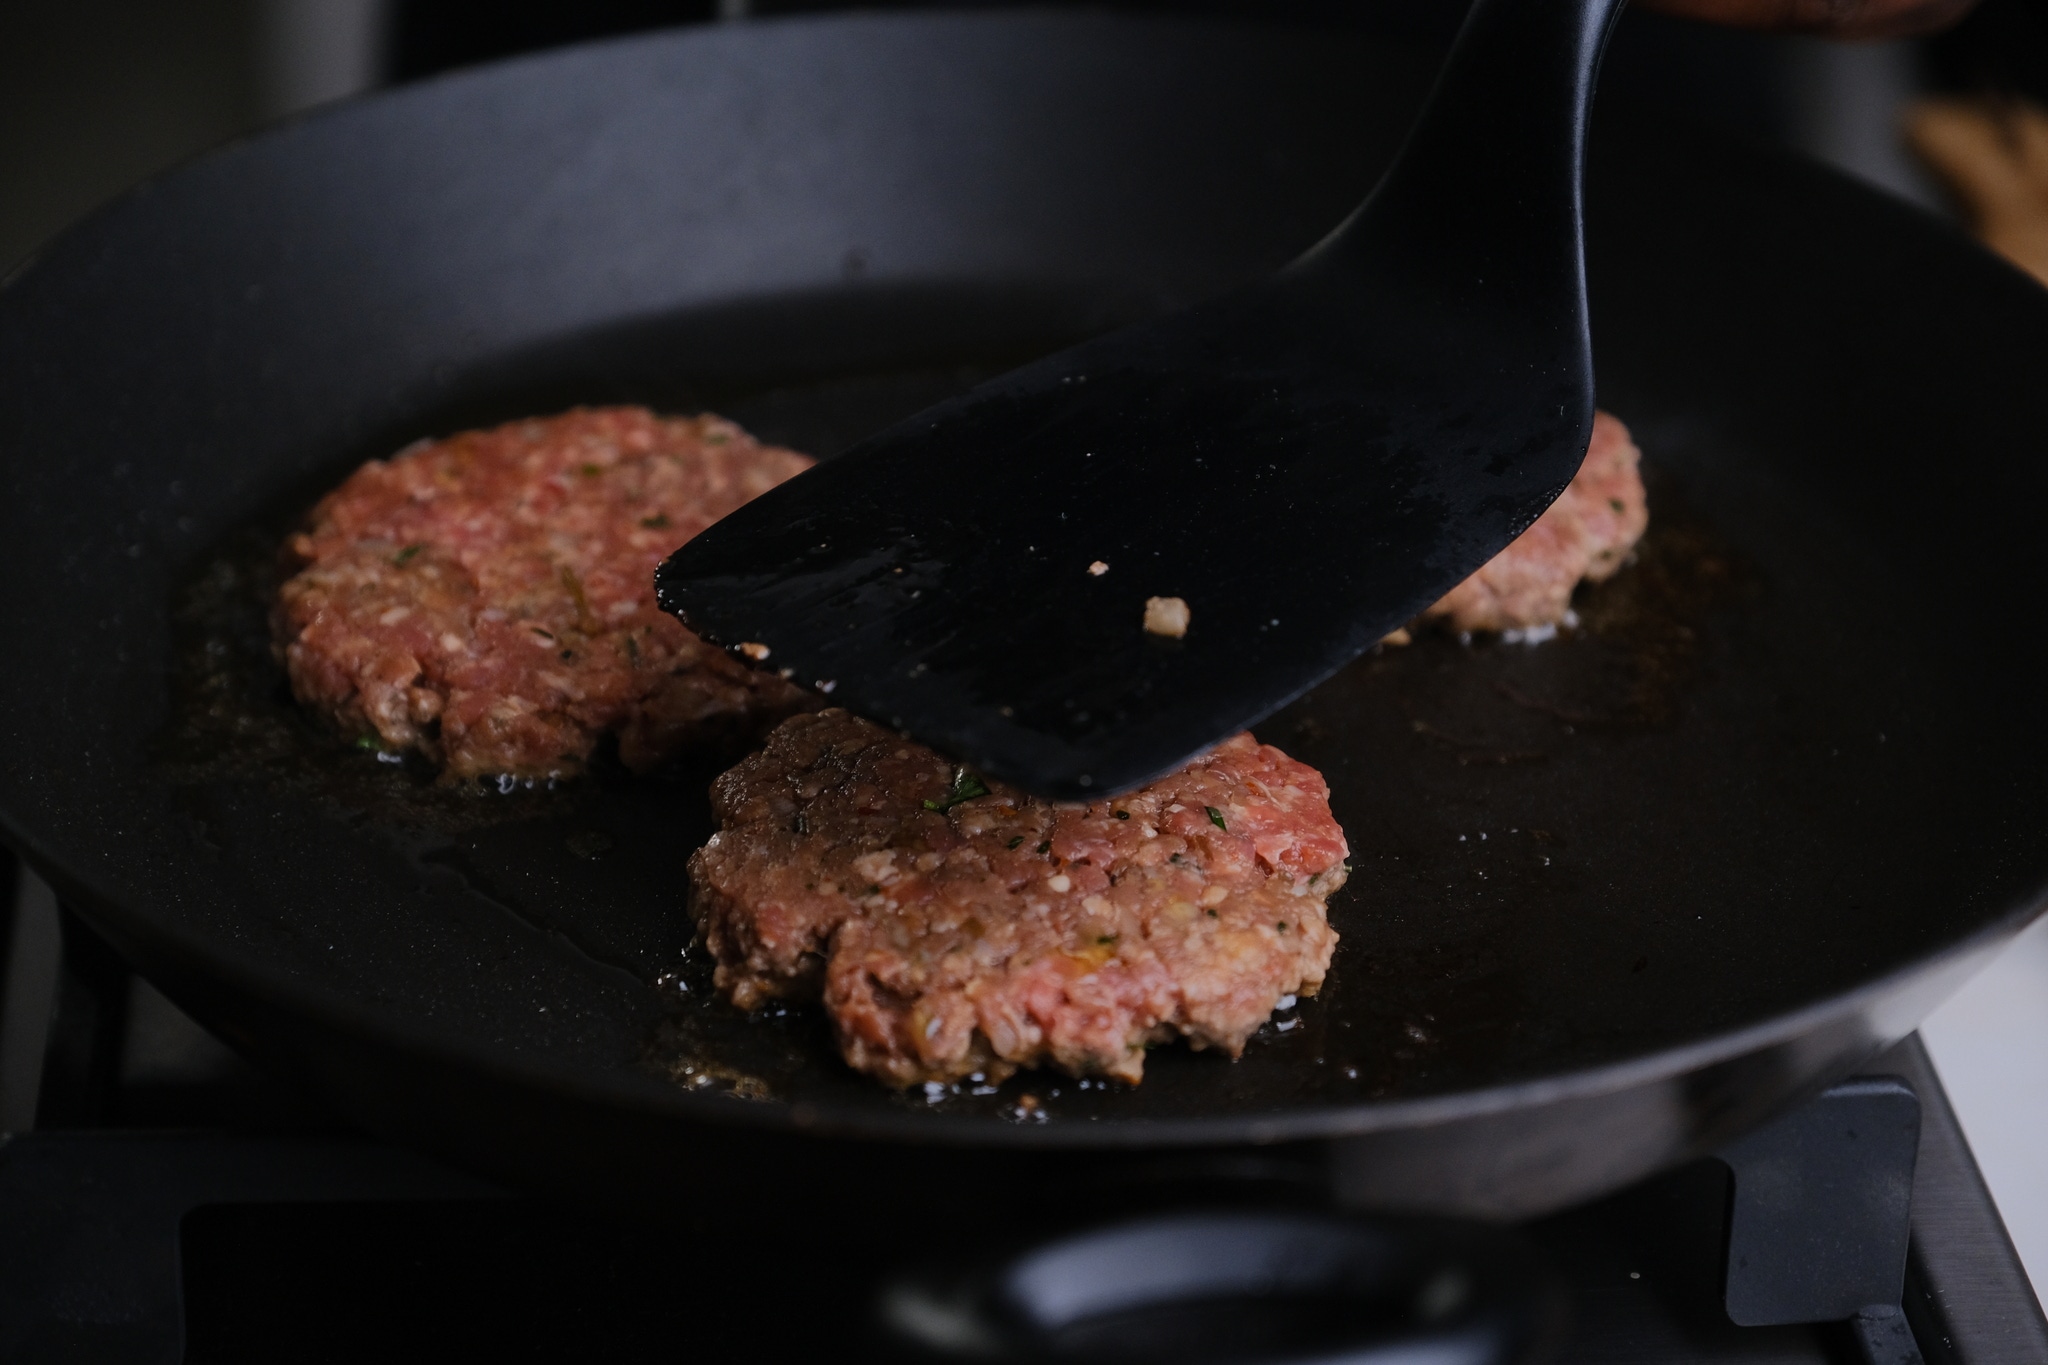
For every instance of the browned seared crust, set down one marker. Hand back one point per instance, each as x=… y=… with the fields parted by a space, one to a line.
x=488 y=599
x=949 y=937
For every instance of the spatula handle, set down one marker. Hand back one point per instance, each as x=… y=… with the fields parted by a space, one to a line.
x=1485 y=195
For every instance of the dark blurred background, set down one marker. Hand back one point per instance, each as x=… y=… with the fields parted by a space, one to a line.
x=98 y=94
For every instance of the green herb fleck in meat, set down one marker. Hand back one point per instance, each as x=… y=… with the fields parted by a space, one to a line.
x=1216 y=818
x=655 y=522
x=966 y=786
x=1014 y=842
x=407 y=553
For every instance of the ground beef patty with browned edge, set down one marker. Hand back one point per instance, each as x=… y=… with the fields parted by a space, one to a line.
x=952 y=929
x=488 y=599
x=1582 y=537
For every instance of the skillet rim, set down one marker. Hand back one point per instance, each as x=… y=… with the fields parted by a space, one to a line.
x=1940 y=974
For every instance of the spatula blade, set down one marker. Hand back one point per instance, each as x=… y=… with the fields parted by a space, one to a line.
x=978 y=576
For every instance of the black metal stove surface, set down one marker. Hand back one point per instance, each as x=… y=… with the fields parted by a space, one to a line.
x=159 y=1201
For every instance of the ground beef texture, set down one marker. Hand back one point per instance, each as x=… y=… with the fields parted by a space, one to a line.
x=951 y=933
x=488 y=599
x=1582 y=537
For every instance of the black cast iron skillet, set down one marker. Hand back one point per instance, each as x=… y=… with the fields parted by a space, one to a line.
x=1615 y=897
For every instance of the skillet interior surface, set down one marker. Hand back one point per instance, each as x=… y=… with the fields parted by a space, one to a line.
x=1789 y=754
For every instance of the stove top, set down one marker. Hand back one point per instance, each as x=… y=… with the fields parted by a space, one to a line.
x=163 y=1202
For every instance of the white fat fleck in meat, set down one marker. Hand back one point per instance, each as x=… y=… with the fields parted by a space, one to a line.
x=878 y=867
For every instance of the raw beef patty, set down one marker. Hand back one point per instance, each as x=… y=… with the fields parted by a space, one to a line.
x=1582 y=537
x=953 y=929
x=488 y=599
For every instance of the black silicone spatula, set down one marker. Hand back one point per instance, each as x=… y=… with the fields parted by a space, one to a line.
x=1304 y=465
